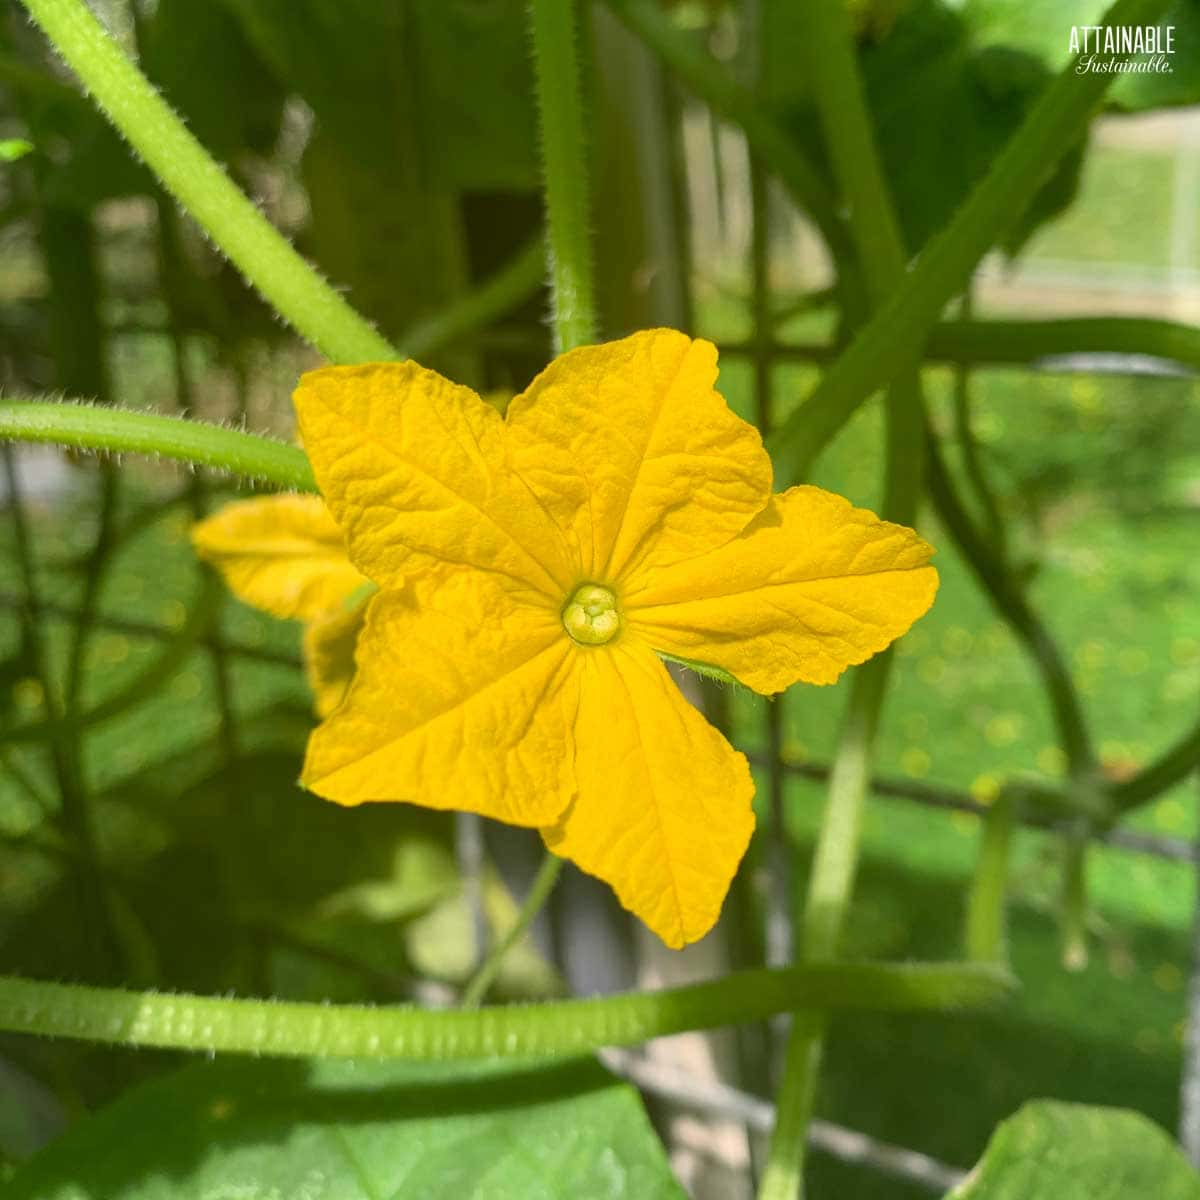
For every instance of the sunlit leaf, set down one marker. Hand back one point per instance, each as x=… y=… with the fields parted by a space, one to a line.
x=13 y=148
x=1056 y=1151
x=361 y=1131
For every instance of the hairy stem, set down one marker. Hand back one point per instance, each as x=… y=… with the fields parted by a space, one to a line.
x=555 y=31
x=212 y=1023
x=120 y=430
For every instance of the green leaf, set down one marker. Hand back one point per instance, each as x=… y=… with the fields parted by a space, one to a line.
x=1043 y=28
x=13 y=148
x=361 y=1131
x=944 y=106
x=1056 y=1151
x=944 y=101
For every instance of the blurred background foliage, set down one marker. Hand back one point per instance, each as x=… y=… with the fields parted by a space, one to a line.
x=395 y=143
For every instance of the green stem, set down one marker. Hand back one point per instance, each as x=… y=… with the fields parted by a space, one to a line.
x=985 y=941
x=836 y=857
x=897 y=330
x=847 y=134
x=543 y=884
x=213 y=1023
x=201 y=612
x=1009 y=600
x=850 y=143
x=995 y=341
x=514 y=283
x=119 y=430
x=1170 y=768
x=1073 y=920
x=831 y=882
x=204 y=190
x=972 y=458
x=980 y=342
x=565 y=170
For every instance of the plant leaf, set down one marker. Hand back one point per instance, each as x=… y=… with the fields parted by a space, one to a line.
x=1055 y=1151
x=361 y=1131
x=13 y=148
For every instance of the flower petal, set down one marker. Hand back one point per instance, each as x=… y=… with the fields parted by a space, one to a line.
x=641 y=463
x=813 y=586
x=282 y=554
x=663 y=811
x=329 y=655
x=468 y=705
x=416 y=471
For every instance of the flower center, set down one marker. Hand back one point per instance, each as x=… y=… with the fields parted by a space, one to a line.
x=591 y=616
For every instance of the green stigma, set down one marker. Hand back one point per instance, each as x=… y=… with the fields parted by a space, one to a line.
x=591 y=616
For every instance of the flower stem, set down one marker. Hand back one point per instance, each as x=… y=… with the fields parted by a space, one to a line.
x=539 y=893
x=846 y=129
x=835 y=864
x=898 y=328
x=985 y=941
x=513 y=283
x=120 y=430
x=286 y=1029
x=293 y=288
x=565 y=170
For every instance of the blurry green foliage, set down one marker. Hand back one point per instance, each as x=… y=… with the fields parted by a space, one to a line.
x=13 y=148
x=208 y=70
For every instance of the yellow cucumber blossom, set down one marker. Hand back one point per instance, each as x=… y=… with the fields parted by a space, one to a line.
x=286 y=556
x=532 y=568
